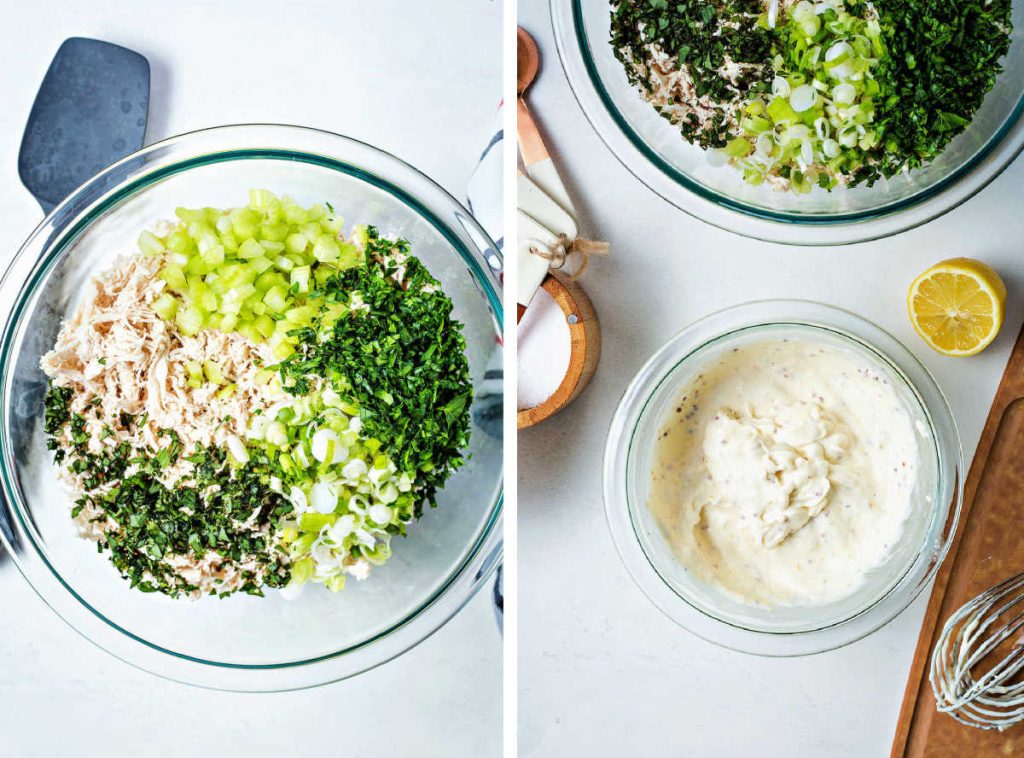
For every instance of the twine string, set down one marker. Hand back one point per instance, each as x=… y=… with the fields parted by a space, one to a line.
x=558 y=253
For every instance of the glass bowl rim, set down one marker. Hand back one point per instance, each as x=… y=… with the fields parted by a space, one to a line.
x=732 y=215
x=679 y=348
x=132 y=175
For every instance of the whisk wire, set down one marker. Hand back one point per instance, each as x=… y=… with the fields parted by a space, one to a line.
x=995 y=699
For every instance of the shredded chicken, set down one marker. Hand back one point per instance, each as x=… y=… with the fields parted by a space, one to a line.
x=118 y=356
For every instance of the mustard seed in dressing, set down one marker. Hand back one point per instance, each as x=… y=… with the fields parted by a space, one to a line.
x=794 y=477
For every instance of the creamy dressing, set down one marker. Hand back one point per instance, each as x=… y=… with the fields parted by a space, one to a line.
x=784 y=473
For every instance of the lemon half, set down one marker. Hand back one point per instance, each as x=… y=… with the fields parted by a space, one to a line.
x=957 y=306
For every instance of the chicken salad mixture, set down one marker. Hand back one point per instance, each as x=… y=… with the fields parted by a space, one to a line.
x=799 y=94
x=256 y=399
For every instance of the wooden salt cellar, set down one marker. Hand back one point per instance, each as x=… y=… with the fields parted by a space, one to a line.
x=585 y=348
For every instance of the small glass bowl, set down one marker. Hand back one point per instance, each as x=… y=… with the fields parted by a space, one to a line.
x=243 y=642
x=784 y=631
x=653 y=150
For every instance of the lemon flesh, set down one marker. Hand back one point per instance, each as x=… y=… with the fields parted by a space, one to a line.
x=957 y=306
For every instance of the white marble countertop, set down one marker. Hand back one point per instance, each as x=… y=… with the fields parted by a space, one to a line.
x=342 y=67
x=602 y=671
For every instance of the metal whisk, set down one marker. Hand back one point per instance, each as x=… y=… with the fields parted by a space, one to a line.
x=993 y=699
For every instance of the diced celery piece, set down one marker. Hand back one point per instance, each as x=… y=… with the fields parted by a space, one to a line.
x=238 y=275
x=239 y=294
x=333 y=223
x=259 y=265
x=150 y=244
x=208 y=301
x=276 y=298
x=175 y=278
x=191 y=215
x=314 y=522
x=781 y=111
x=227 y=391
x=194 y=370
x=300 y=279
x=738 y=147
x=272 y=248
x=246 y=329
x=178 y=241
x=349 y=255
x=244 y=227
x=270 y=279
x=302 y=570
x=189 y=320
x=206 y=240
x=277 y=232
x=166 y=305
x=296 y=242
x=326 y=249
x=196 y=285
x=264 y=325
x=213 y=373
x=324 y=272
x=196 y=265
x=282 y=350
x=284 y=263
x=337 y=583
x=229 y=241
x=263 y=200
x=228 y=322
x=214 y=257
x=250 y=248
x=301 y=315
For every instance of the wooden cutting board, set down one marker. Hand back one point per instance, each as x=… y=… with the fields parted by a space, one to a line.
x=987 y=548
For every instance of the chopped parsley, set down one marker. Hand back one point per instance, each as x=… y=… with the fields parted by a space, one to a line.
x=204 y=511
x=943 y=58
x=401 y=360
x=702 y=36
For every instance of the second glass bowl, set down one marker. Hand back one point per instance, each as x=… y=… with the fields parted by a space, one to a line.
x=783 y=631
x=653 y=150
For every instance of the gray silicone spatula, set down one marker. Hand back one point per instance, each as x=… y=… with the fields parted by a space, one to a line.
x=90 y=112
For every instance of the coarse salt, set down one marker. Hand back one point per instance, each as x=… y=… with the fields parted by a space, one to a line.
x=544 y=346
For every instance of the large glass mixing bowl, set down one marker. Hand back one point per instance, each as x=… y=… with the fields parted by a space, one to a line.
x=653 y=150
x=243 y=642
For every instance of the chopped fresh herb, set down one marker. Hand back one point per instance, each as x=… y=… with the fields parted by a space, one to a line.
x=401 y=360
x=943 y=59
x=701 y=35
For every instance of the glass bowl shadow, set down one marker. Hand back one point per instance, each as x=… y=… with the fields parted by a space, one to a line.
x=244 y=642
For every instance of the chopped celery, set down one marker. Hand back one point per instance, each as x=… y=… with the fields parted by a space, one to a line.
x=166 y=305
x=239 y=269
x=189 y=320
x=213 y=373
x=150 y=244
x=300 y=279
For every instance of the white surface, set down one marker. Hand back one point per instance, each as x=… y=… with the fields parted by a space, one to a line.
x=602 y=671
x=340 y=66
